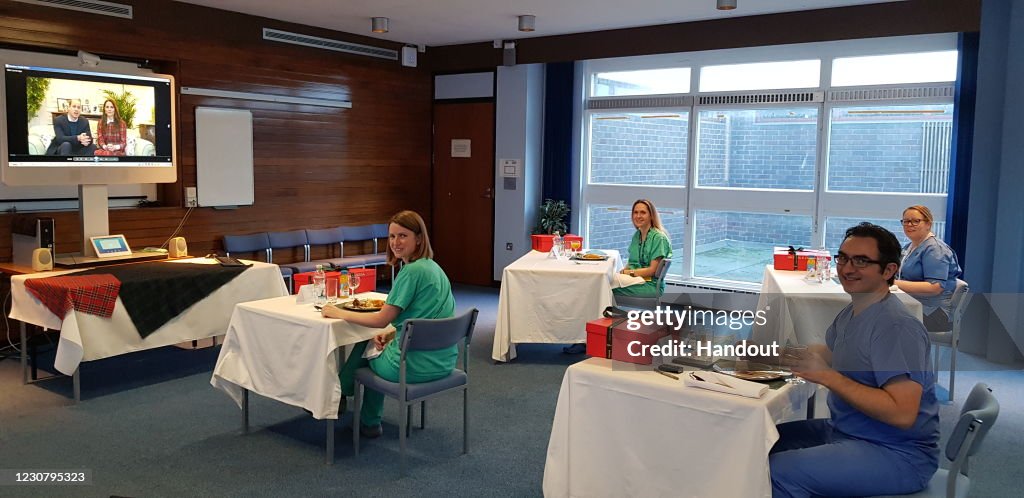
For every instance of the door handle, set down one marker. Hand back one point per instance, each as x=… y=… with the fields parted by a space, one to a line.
x=488 y=193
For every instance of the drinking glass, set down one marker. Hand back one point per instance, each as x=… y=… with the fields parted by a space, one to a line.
x=575 y=244
x=353 y=284
x=332 y=290
x=795 y=351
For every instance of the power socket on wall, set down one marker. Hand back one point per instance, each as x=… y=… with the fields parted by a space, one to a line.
x=508 y=246
x=190 y=197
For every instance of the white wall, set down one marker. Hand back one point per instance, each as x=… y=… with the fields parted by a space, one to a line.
x=519 y=135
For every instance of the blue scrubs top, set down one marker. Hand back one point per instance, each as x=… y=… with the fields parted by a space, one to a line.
x=932 y=261
x=882 y=342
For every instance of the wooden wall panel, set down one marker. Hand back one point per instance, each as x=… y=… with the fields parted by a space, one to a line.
x=315 y=167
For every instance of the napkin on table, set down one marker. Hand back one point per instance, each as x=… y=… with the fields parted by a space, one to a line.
x=305 y=294
x=722 y=383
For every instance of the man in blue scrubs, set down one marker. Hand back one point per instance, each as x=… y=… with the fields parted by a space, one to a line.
x=882 y=437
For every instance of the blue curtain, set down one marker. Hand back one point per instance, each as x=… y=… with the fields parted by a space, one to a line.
x=963 y=144
x=558 y=113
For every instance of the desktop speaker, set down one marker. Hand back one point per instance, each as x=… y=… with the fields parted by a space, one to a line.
x=42 y=260
x=177 y=248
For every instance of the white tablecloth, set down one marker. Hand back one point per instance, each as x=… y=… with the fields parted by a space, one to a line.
x=629 y=431
x=545 y=300
x=287 y=352
x=86 y=337
x=800 y=311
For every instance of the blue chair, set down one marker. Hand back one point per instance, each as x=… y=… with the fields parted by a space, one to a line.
x=254 y=243
x=977 y=417
x=363 y=233
x=951 y=338
x=422 y=335
x=331 y=237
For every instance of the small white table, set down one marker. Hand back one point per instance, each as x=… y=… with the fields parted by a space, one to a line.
x=547 y=300
x=290 y=353
x=800 y=311
x=624 y=430
x=87 y=337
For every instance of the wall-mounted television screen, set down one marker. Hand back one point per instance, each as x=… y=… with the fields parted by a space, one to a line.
x=72 y=126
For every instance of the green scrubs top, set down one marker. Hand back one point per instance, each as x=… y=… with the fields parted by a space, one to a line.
x=421 y=290
x=641 y=254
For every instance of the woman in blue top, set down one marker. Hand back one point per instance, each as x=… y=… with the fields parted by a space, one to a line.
x=421 y=290
x=929 y=269
x=649 y=246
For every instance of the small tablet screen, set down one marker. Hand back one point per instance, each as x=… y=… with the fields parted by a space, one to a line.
x=110 y=245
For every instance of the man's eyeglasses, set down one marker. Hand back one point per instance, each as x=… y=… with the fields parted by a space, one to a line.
x=857 y=261
x=912 y=223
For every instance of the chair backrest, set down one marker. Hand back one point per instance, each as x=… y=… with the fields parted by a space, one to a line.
x=289 y=240
x=380 y=231
x=325 y=236
x=960 y=299
x=248 y=243
x=364 y=232
x=431 y=334
x=977 y=417
x=662 y=269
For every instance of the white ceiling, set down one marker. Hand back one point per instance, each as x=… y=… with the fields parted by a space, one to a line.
x=450 y=22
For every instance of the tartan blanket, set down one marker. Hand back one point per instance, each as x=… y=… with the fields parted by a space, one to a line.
x=152 y=293
x=93 y=294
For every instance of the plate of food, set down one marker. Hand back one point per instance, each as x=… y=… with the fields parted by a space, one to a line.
x=363 y=304
x=748 y=370
x=592 y=256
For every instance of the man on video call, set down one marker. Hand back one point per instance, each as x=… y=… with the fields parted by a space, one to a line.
x=72 y=136
x=882 y=437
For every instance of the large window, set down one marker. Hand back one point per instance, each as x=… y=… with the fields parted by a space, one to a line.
x=774 y=146
x=639 y=148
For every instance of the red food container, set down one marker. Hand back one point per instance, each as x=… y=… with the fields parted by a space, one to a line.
x=611 y=337
x=367 y=279
x=543 y=242
x=786 y=258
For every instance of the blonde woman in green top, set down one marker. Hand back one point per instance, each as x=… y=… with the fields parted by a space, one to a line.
x=650 y=244
x=421 y=290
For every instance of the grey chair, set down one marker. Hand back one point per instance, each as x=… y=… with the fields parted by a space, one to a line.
x=647 y=302
x=951 y=338
x=422 y=335
x=977 y=417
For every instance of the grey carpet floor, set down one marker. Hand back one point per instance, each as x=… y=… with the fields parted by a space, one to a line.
x=151 y=425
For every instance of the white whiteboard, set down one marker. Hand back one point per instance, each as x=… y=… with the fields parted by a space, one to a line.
x=224 y=168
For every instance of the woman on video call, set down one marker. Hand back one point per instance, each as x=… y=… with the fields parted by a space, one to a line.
x=421 y=290
x=112 y=134
x=929 y=269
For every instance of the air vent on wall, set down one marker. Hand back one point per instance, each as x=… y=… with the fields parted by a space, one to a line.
x=639 y=102
x=761 y=98
x=328 y=44
x=90 y=6
x=901 y=93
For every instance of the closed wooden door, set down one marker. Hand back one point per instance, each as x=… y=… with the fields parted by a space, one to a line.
x=463 y=191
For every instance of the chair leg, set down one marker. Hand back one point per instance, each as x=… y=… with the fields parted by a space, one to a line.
x=355 y=414
x=465 y=421
x=952 y=368
x=423 y=414
x=403 y=426
x=408 y=419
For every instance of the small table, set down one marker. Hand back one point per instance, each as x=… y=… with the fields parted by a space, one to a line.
x=87 y=337
x=253 y=357
x=801 y=311
x=624 y=430
x=547 y=300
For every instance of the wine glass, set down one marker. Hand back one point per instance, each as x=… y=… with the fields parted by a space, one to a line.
x=797 y=351
x=353 y=284
x=575 y=245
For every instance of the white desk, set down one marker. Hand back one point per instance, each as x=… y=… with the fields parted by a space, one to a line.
x=86 y=337
x=629 y=431
x=290 y=353
x=544 y=300
x=801 y=312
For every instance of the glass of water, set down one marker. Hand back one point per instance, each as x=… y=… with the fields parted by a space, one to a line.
x=353 y=284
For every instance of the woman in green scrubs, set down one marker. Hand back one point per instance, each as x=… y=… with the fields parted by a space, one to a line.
x=649 y=246
x=421 y=290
